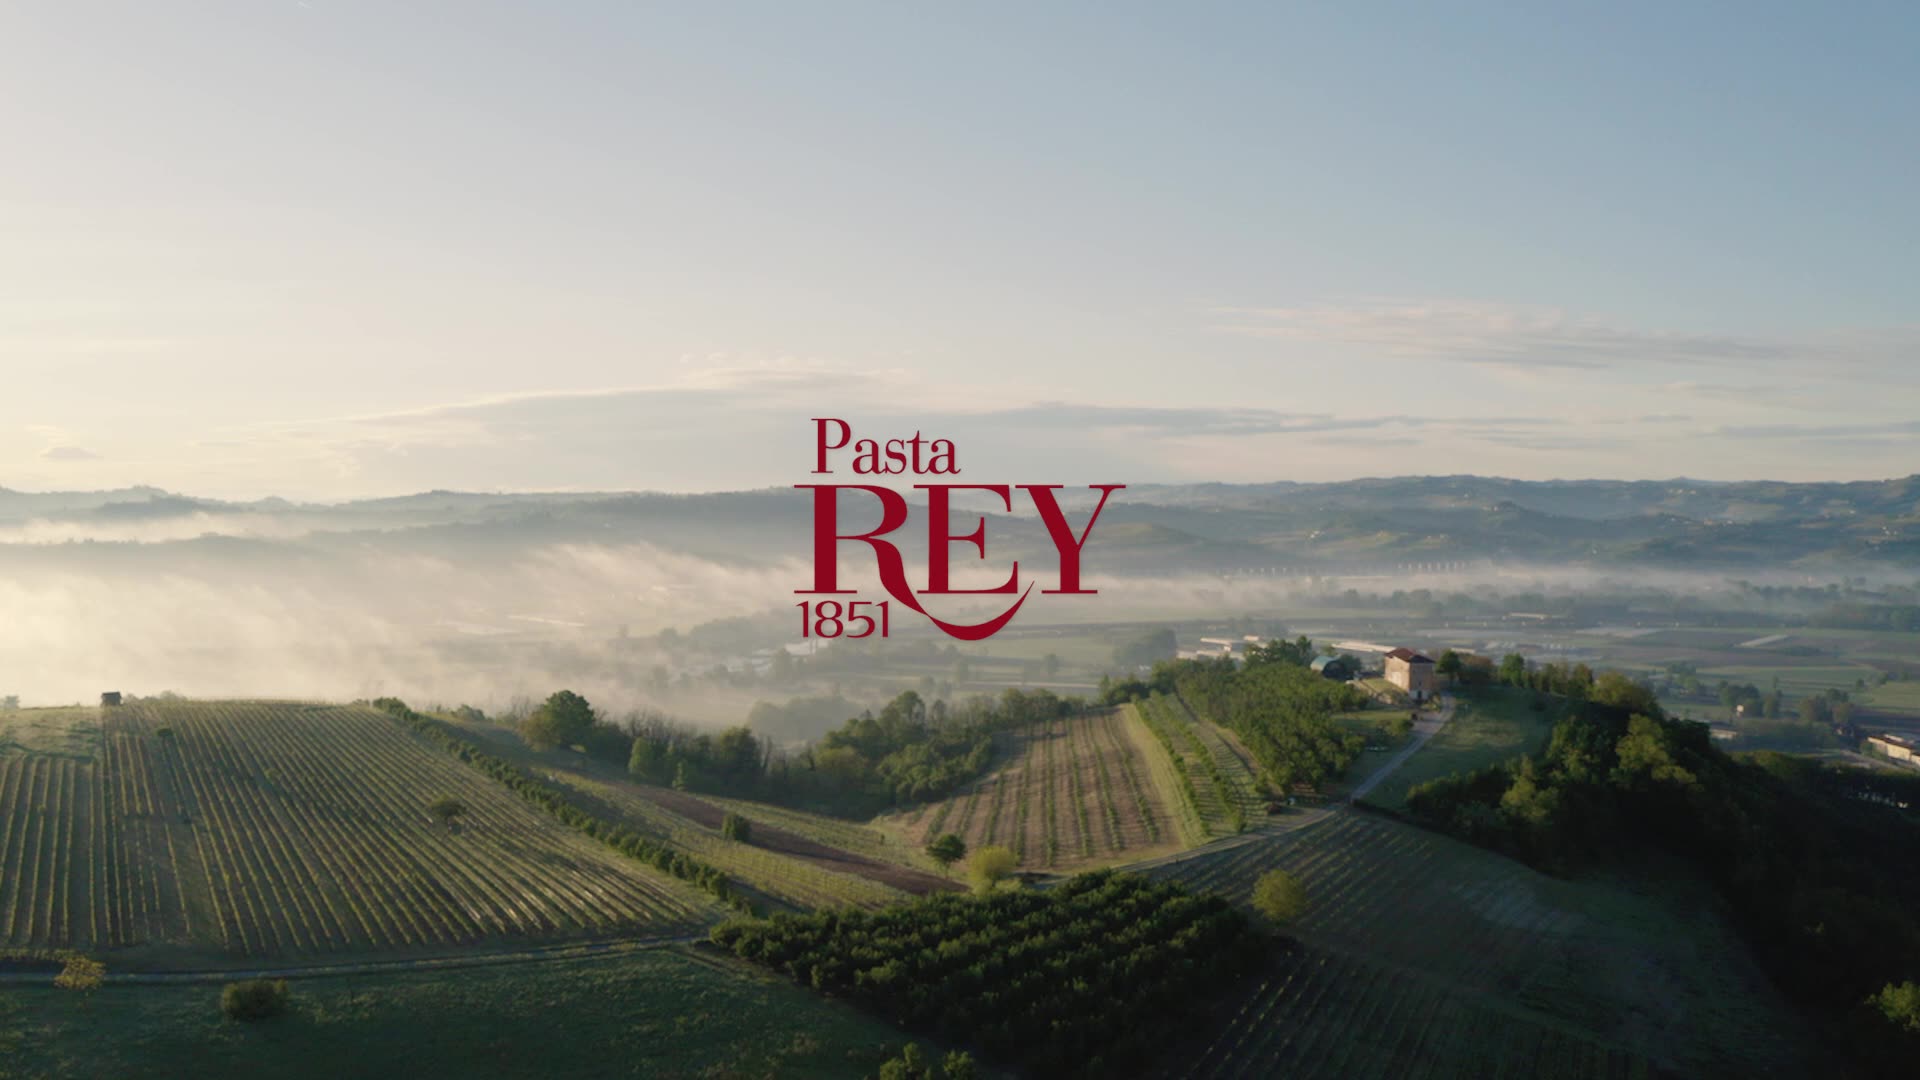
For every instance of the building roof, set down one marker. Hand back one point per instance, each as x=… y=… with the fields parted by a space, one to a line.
x=1411 y=657
x=1322 y=663
x=1897 y=740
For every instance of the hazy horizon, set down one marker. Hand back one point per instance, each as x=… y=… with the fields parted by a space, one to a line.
x=334 y=249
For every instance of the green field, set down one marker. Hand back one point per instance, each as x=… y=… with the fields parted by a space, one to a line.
x=1895 y=697
x=229 y=830
x=657 y=1013
x=1488 y=726
x=1422 y=956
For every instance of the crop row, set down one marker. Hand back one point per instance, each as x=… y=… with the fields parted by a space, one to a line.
x=1320 y=1014
x=1139 y=789
x=310 y=835
x=43 y=804
x=1236 y=781
x=1218 y=799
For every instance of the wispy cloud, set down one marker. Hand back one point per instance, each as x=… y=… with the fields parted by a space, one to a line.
x=1846 y=431
x=68 y=453
x=1534 y=338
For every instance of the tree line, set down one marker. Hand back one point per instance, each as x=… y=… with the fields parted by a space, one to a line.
x=1280 y=708
x=907 y=753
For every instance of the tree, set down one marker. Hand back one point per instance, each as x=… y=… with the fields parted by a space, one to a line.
x=446 y=808
x=80 y=972
x=1843 y=714
x=1513 y=669
x=958 y=1065
x=1449 y=666
x=1900 y=1005
x=1401 y=725
x=989 y=867
x=910 y=1065
x=562 y=720
x=1051 y=665
x=947 y=849
x=736 y=828
x=1278 y=896
x=255 y=999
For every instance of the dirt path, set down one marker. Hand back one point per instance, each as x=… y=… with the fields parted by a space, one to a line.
x=1427 y=728
x=572 y=951
x=774 y=838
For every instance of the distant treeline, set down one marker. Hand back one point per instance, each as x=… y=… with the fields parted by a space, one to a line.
x=1278 y=707
x=1820 y=864
x=910 y=752
x=1856 y=616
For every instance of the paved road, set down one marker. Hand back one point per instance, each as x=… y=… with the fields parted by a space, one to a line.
x=1425 y=728
x=369 y=967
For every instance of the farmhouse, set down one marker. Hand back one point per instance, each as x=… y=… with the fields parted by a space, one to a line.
x=1896 y=747
x=1410 y=671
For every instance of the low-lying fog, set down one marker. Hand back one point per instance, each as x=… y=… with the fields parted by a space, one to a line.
x=288 y=619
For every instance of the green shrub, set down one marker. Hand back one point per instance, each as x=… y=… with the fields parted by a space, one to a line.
x=255 y=999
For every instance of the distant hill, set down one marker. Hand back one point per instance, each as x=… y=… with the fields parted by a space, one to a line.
x=1154 y=528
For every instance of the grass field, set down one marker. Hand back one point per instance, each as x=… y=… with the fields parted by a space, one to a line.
x=1895 y=697
x=658 y=1013
x=790 y=881
x=1069 y=793
x=1488 y=726
x=1424 y=957
x=260 y=829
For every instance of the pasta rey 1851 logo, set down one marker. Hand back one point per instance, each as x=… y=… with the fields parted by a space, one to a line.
x=857 y=618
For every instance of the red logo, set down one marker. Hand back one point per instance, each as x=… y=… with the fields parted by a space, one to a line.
x=920 y=457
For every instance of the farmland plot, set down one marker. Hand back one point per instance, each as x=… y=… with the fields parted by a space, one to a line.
x=277 y=829
x=1071 y=792
x=1423 y=956
x=788 y=880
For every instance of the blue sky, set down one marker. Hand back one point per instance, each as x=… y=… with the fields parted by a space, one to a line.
x=331 y=249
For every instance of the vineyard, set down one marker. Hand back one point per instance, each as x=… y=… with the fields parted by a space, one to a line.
x=1219 y=792
x=1071 y=792
x=276 y=829
x=1422 y=956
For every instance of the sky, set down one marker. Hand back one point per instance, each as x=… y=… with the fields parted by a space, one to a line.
x=327 y=250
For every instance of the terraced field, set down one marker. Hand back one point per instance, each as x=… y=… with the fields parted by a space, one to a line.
x=264 y=829
x=1070 y=793
x=1421 y=956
